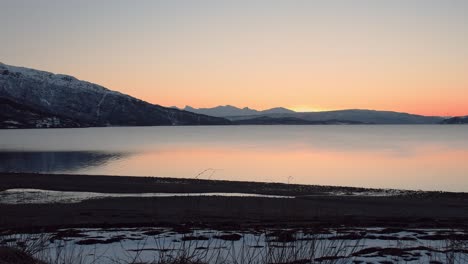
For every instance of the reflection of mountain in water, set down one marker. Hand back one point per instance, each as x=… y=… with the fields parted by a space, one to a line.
x=54 y=161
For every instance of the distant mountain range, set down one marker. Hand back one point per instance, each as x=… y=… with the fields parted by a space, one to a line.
x=31 y=98
x=280 y=115
x=231 y=111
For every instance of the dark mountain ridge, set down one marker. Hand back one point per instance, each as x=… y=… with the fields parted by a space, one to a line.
x=266 y=120
x=355 y=115
x=456 y=120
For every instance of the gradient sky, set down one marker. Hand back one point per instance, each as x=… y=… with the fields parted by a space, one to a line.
x=402 y=55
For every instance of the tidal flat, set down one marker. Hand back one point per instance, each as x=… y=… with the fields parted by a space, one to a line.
x=214 y=202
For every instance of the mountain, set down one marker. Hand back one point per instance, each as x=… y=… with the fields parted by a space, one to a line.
x=277 y=110
x=356 y=115
x=456 y=120
x=266 y=120
x=32 y=98
x=229 y=111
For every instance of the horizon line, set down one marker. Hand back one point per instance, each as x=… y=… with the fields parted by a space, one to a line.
x=316 y=111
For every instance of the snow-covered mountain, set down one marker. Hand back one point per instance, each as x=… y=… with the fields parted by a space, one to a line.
x=57 y=100
x=229 y=110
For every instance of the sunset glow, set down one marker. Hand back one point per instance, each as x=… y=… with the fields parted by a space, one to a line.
x=304 y=108
x=307 y=55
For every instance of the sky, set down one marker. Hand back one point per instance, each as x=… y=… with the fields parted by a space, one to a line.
x=400 y=55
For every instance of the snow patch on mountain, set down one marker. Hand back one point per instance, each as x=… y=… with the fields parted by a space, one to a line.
x=52 y=79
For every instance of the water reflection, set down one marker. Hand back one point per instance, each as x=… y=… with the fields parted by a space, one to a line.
x=432 y=157
x=54 y=161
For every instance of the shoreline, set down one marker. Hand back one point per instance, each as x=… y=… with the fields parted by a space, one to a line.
x=150 y=184
x=311 y=206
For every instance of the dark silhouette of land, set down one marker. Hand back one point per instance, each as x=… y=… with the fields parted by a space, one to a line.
x=458 y=120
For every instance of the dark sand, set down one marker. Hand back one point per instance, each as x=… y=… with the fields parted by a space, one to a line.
x=313 y=205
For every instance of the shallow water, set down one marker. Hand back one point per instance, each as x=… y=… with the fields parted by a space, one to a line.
x=36 y=196
x=426 y=157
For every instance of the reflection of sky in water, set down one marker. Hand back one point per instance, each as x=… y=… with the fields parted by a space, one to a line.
x=54 y=161
x=408 y=157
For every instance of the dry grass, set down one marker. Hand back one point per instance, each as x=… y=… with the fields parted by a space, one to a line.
x=277 y=247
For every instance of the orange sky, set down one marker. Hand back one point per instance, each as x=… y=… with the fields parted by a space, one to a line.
x=306 y=55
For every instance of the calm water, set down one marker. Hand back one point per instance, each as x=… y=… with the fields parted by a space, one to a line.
x=408 y=157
